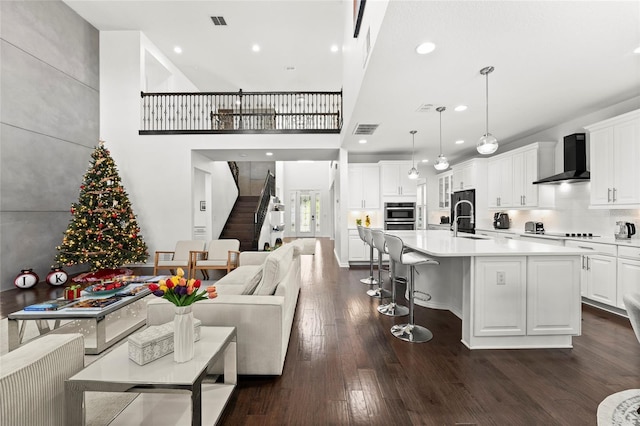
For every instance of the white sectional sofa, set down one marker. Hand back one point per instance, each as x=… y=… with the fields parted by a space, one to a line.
x=32 y=380
x=259 y=298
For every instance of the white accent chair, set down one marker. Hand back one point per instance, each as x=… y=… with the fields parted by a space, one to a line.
x=178 y=258
x=220 y=254
x=32 y=379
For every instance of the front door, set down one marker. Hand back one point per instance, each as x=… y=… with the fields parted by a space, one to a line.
x=305 y=213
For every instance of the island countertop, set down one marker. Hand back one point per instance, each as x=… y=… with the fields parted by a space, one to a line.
x=440 y=243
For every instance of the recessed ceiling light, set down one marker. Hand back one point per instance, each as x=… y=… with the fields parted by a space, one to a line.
x=290 y=68
x=243 y=155
x=269 y=154
x=636 y=50
x=177 y=49
x=459 y=141
x=362 y=141
x=425 y=48
x=334 y=48
x=426 y=160
x=255 y=48
x=460 y=108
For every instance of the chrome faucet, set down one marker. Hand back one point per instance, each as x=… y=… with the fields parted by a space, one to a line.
x=456 y=217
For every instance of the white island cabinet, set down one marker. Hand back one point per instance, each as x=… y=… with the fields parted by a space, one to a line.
x=510 y=294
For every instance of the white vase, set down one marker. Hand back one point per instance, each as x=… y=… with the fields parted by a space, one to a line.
x=183 y=334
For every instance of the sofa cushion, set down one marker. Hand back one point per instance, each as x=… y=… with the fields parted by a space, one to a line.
x=276 y=266
x=245 y=277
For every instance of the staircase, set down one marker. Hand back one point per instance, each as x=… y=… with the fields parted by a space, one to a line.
x=240 y=223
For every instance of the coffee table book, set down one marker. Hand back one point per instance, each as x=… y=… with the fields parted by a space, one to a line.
x=49 y=305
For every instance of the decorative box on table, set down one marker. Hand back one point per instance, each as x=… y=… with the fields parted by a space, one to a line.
x=155 y=342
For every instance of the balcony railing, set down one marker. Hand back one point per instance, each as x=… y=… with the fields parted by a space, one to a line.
x=241 y=112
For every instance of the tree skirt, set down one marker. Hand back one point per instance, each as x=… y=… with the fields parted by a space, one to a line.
x=101 y=275
x=620 y=409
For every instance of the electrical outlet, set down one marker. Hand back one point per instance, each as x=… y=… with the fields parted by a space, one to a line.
x=501 y=278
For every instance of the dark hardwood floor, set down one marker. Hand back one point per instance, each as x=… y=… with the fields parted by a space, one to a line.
x=344 y=367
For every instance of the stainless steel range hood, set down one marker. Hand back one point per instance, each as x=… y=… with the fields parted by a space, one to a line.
x=575 y=162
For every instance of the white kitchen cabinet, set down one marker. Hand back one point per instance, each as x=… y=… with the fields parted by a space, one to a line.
x=553 y=309
x=501 y=304
x=359 y=251
x=615 y=155
x=394 y=178
x=364 y=186
x=628 y=272
x=500 y=181
x=445 y=189
x=469 y=174
x=599 y=272
x=511 y=176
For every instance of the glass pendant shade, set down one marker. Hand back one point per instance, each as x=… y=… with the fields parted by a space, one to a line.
x=441 y=163
x=413 y=172
x=487 y=144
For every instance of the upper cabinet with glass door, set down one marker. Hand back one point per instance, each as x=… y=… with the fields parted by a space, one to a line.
x=445 y=188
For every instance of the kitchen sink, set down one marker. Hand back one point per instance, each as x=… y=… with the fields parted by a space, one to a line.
x=471 y=237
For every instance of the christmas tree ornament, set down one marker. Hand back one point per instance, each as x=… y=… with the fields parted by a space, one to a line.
x=26 y=279
x=57 y=276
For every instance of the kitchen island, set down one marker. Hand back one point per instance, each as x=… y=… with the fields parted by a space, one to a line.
x=509 y=294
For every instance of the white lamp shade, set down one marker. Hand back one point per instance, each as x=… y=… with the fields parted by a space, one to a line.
x=487 y=144
x=414 y=173
x=441 y=163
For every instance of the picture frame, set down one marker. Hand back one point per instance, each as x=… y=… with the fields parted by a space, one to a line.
x=203 y=206
x=358 y=12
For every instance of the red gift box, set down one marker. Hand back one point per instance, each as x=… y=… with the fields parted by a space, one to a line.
x=71 y=293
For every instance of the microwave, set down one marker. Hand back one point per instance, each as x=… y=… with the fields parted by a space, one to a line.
x=399 y=212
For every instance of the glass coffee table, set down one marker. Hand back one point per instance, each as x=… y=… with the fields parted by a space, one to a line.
x=101 y=328
x=170 y=393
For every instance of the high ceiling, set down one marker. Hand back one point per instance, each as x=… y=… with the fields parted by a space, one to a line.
x=554 y=60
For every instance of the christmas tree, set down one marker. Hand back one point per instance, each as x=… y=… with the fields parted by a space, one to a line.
x=103 y=231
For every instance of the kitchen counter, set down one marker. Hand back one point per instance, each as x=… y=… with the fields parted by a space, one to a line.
x=444 y=244
x=631 y=242
x=509 y=294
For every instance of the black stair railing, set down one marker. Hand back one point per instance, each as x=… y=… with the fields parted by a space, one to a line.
x=240 y=112
x=268 y=191
x=235 y=172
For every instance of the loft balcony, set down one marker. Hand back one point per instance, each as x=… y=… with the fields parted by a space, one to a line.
x=240 y=112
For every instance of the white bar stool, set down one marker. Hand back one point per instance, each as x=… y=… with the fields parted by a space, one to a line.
x=377 y=240
x=362 y=233
x=391 y=309
x=409 y=332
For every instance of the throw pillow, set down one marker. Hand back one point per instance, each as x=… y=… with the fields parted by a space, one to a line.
x=253 y=281
x=275 y=268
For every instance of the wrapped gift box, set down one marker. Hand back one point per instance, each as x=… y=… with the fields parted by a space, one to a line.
x=155 y=342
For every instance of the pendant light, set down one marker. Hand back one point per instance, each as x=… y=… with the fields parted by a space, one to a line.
x=413 y=173
x=487 y=144
x=441 y=163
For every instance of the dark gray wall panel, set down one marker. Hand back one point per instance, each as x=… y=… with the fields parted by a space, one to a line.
x=49 y=125
x=40 y=98
x=29 y=240
x=44 y=29
x=52 y=177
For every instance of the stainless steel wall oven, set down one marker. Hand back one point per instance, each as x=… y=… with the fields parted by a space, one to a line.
x=399 y=216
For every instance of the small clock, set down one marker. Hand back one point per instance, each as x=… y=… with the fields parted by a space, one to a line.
x=26 y=279
x=57 y=276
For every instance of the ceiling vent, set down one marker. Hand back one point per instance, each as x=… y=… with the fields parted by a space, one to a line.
x=365 y=129
x=218 y=20
x=425 y=108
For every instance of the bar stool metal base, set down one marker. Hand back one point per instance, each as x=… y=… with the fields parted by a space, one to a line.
x=393 y=310
x=411 y=333
x=379 y=293
x=369 y=281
